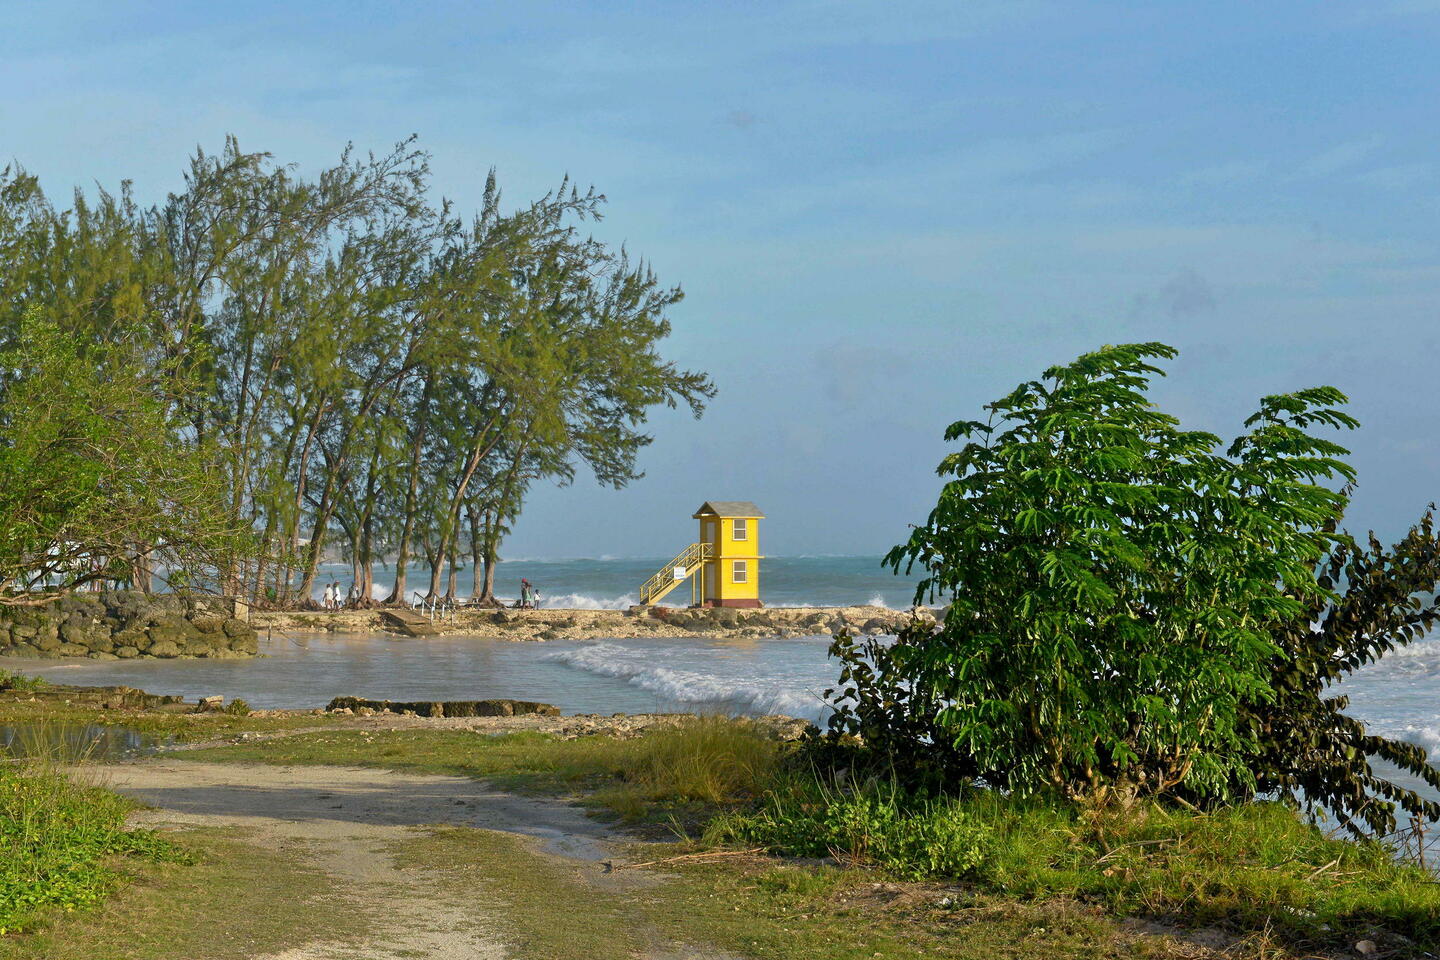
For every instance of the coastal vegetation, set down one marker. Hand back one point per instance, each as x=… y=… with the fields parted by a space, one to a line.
x=1142 y=613
x=59 y=840
x=218 y=389
x=1256 y=870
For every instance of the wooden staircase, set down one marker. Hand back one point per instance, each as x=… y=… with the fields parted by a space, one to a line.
x=689 y=562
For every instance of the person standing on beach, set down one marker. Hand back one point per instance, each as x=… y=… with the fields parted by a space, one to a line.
x=524 y=593
x=326 y=597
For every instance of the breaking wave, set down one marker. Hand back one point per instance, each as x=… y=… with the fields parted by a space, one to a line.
x=637 y=668
x=582 y=601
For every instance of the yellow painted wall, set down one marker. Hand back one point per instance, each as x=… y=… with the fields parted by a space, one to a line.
x=719 y=576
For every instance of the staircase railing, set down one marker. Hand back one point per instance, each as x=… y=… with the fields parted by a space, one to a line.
x=690 y=559
x=436 y=608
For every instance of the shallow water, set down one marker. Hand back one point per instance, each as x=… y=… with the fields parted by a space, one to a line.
x=1398 y=697
x=745 y=676
x=75 y=742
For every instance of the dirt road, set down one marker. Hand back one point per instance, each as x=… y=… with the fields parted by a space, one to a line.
x=349 y=823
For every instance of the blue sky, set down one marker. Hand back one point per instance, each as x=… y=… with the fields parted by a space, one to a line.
x=883 y=214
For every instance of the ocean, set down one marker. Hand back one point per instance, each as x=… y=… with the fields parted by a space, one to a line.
x=613 y=583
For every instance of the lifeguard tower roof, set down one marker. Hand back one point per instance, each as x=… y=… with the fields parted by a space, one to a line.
x=728 y=508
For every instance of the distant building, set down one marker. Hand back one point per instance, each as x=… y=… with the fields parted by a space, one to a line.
x=723 y=566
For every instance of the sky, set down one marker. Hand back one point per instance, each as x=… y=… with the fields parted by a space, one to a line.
x=884 y=214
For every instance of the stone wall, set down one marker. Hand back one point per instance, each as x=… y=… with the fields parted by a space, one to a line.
x=123 y=625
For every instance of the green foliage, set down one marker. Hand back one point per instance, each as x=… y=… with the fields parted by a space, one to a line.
x=17 y=681
x=1250 y=866
x=343 y=355
x=238 y=708
x=1308 y=750
x=93 y=471
x=1114 y=585
x=56 y=838
x=877 y=826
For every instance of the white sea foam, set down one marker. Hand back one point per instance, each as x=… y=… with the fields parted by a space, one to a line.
x=637 y=668
x=582 y=601
x=875 y=601
x=1426 y=735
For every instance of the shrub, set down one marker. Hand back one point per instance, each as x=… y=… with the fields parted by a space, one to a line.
x=238 y=708
x=912 y=839
x=16 y=681
x=56 y=837
x=1127 y=603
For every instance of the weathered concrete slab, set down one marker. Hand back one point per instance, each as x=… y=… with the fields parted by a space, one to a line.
x=408 y=622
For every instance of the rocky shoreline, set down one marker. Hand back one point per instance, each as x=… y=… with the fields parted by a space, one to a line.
x=116 y=705
x=572 y=624
x=123 y=625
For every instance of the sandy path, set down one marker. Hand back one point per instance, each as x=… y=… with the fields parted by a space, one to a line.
x=345 y=819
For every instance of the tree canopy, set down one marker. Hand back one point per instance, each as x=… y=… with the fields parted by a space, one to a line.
x=354 y=366
x=1129 y=601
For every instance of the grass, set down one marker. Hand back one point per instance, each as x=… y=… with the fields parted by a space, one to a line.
x=178 y=727
x=755 y=909
x=234 y=901
x=59 y=840
x=674 y=774
x=1248 y=869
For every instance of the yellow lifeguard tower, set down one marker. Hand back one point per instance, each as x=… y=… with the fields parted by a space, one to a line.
x=723 y=566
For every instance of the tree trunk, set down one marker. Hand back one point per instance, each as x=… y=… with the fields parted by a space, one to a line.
x=407 y=528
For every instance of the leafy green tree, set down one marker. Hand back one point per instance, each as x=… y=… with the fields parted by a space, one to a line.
x=1115 y=587
x=1309 y=750
x=97 y=483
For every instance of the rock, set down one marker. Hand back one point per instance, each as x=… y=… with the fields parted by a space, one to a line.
x=876 y=625
x=449 y=708
x=25 y=651
x=237 y=628
x=24 y=631
x=126 y=652
x=1367 y=948
x=102 y=655
x=211 y=703
x=71 y=650
x=196 y=648
x=209 y=625
x=167 y=633
x=246 y=645
x=164 y=648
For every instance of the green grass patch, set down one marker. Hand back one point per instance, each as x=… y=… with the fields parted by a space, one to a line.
x=58 y=843
x=672 y=773
x=235 y=901
x=551 y=909
x=1250 y=867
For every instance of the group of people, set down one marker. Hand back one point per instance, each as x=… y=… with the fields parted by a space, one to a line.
x=529 y=596
x=335 y=599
